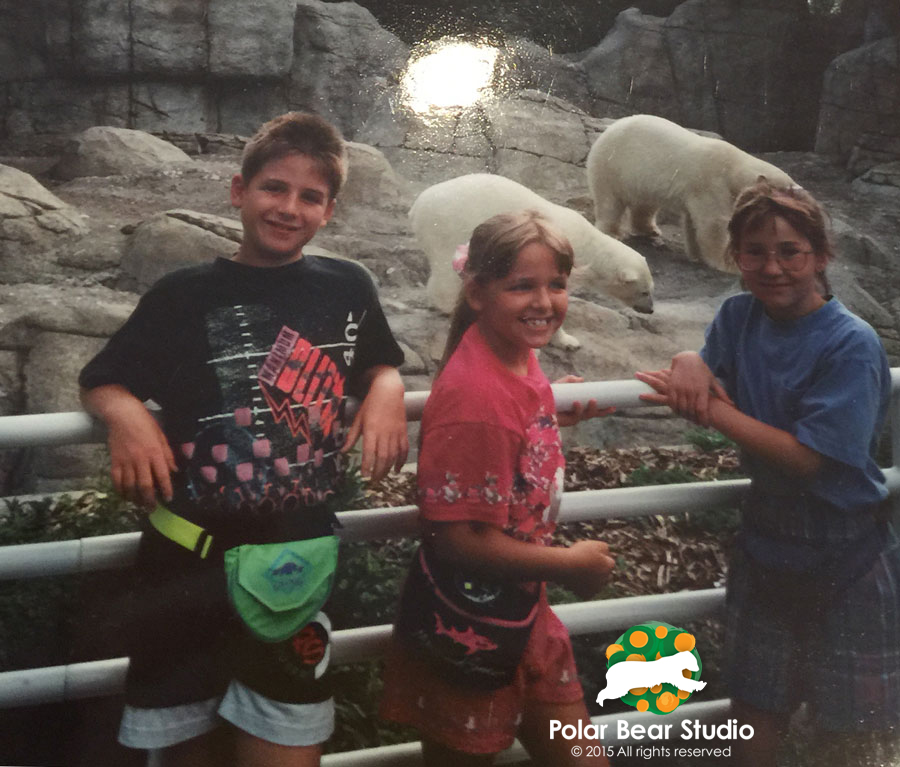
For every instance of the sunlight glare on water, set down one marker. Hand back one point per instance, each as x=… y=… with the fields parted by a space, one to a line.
x=455 y=75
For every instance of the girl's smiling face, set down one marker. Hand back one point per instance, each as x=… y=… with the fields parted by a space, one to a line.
x=522 y=310
x=785 y=277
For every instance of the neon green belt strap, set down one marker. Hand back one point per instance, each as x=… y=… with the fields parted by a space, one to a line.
x=179 y=530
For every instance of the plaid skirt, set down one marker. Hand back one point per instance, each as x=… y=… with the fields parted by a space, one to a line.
x=841 y=655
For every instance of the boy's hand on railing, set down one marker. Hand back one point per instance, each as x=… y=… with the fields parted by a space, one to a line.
x=140 y=456
x=381 y=421
x=579 y=412
x=590 y=568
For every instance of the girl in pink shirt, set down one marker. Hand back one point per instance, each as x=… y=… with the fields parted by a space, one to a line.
x=478 y=656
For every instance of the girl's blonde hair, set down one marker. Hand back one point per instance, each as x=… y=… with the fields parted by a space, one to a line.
x=493 y=248
x=794 y=204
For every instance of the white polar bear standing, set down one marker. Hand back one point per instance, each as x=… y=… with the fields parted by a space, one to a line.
x=444 y=215
x=642 y=163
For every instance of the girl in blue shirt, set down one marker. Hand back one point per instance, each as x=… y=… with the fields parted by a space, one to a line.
x=802 y=385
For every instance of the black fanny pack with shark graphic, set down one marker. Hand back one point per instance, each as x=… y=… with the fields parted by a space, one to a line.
x=469 y=630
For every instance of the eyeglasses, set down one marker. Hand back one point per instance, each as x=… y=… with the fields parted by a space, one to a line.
x=789 y=257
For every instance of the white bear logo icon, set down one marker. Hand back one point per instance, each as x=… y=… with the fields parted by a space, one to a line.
x=632 y=674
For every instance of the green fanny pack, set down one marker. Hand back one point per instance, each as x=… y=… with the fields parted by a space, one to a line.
x=276 y=588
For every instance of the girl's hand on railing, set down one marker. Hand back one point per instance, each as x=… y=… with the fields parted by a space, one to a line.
x=590 y=568
x=579 y=412
x=686 y=387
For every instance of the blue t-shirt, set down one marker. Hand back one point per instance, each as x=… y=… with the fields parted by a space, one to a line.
x=823 y=378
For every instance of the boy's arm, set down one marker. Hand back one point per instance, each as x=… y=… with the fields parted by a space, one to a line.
x=139 y=452
x=584 y=567
x=381 y=421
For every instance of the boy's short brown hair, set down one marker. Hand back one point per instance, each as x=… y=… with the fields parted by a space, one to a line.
x=298 y=133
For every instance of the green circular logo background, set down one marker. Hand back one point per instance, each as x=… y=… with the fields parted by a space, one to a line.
x=647 y=642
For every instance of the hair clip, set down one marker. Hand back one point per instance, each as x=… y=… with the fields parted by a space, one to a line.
x=460 y=259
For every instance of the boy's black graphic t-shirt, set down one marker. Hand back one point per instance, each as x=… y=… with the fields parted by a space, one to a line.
x=251 y=367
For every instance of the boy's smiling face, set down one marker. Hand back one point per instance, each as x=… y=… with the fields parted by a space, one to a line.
x=282 y=207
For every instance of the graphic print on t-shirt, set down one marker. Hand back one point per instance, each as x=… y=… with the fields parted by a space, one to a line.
x=301 y=384
x=275 y=444
x=531 y=488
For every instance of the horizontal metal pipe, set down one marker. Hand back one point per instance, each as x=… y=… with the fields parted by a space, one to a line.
x=82 y=680
x=105 y=552
x=78 y=427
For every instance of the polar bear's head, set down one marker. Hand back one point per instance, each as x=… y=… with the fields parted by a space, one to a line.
x=605 y=265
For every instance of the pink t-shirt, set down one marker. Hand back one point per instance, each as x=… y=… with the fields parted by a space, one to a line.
x=491 y=449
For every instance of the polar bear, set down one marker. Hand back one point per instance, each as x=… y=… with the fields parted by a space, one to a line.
x=642 y=163
x=444 y=215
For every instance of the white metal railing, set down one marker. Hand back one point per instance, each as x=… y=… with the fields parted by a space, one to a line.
x=106 y=677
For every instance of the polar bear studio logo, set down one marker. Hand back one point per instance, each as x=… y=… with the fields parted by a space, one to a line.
x=652 y=667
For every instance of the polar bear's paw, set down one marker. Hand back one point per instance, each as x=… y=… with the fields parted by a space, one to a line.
x=562 y=340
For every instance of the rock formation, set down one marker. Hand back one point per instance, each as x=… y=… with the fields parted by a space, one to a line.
x=76 y=249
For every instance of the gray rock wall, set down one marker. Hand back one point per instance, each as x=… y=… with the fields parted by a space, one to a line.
x=750 y=71
x=738 y=69
x=860 y=112
x=187 y=65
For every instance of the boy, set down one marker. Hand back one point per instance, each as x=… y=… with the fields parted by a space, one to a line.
x=251 y=360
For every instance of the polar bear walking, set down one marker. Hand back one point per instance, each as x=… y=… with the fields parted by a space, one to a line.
x=444 y=215
x=631 y=674
x=642 y=163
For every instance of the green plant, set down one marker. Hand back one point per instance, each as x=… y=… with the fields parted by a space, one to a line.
x=97 y=511
x=708 y=440
x=650 y=475
x=42 y=620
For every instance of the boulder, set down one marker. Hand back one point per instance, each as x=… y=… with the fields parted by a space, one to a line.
x=860 y=94
x=343 y=62
x=371 y=182
x=172 y=240
x=51 y=375
x=872 y=149
x=107 y=151
x=47 y=333
x=27 y=310
x=881 y=180
x=34 y=224
x=181 y=238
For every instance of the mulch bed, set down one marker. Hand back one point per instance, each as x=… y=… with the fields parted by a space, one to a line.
x=659 y=553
